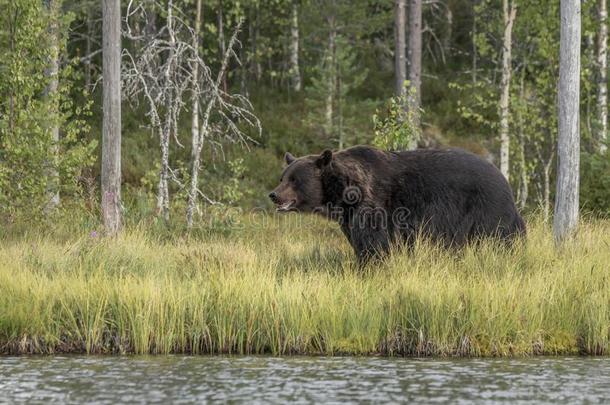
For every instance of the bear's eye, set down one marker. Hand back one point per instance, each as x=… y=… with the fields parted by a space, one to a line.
x=294 y=180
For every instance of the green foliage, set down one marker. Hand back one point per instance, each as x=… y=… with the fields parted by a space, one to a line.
x=336 y=75
x=29 y=157
x=595 y=183
x=233 y=191
x=397 y=129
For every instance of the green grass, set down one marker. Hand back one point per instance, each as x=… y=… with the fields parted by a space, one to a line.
x=289 y=285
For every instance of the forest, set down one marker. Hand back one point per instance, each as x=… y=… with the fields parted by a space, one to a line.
x=139 y=140
x=296 y=76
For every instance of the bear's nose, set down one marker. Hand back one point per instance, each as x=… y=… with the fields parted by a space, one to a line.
x=273 y=196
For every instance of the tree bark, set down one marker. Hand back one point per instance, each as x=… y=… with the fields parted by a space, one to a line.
x=294 y=47
x=332 y=75
x=400 y=57
x=190 y=209
x=509 y=18
x=565 y=218
x=602 y=86
x=111 y=133
x=415 y=64
x=221 y=41
x=524 y=182
x=52 y=73
x=448 y=34
x=473 y=35
x=88 y=47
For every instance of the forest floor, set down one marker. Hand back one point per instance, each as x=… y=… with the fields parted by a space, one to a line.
x=289 y=285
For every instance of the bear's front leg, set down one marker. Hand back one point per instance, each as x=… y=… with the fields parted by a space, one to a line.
x=369 y=234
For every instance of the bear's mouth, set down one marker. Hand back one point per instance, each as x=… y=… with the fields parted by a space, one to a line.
x=287 y=206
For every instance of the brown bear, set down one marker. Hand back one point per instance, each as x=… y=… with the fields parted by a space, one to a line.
x=383 y=198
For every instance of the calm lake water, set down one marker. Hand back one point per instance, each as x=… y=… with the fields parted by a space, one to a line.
x=179 y=379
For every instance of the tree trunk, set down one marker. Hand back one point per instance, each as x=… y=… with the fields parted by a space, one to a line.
x=52 y=73
x=509 y=18
x=568 y=146
x=111 y=134
x=547 y=189
x=400 y=57
x=88 y=47
x=294 y=47
x=524 y=181
x=150 y=29
x=415 y=64
x=473 y=35
x=602 y=87
x=448 y=29
x=221 y=42
x=332 y=75
x=254 y=33
x=163 y=204
x=190 y=209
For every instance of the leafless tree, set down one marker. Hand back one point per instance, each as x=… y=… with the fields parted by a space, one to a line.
x=111 y=134
x=415 y=62
x=565 y=218
x=165 y=68
x=400 y=58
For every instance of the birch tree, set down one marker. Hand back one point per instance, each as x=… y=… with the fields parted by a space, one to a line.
x=509 y=13
x=602 y=87
x=295 y=71
x=565 y=218
x=415 y=63
x=195 y=88
x=111 y=133
x=52 y=73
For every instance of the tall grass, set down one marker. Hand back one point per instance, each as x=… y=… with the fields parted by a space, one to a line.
x=283 y=288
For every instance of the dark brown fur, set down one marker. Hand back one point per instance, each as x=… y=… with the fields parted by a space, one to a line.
x=380 y=198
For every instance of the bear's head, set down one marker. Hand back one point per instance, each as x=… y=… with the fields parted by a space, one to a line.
x=300 y=187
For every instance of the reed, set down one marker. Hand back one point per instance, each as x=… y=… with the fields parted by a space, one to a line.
x=284 y=288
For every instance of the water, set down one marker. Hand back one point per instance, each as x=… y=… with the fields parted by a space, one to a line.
x=181 y=379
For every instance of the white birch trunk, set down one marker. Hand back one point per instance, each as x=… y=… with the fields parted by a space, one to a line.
x=203 y=130
x=111 y=133
x=190 y=209
x=602 y=87
x=565 y=218
x=415 y=65
x=509 y=18
x=332 y=76
x=294 y=47
x=52 y=73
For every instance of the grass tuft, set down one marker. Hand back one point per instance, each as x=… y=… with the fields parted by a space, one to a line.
x=274 y=287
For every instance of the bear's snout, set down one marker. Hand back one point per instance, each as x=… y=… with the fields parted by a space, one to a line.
x=273 y=196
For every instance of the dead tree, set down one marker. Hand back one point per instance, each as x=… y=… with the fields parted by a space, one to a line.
x=111 y=133
x=160 y=74
x=415 y=64
x=164 y=70
x=228 y=111
x=565 y=218
x=400 y=58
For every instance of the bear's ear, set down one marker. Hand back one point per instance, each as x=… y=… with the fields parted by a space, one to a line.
x=324 y=159
x=289 y=158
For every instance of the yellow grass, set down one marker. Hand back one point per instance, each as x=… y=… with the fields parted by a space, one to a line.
x=286 y=286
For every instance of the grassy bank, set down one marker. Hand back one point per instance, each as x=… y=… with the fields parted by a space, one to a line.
x=286 y=286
